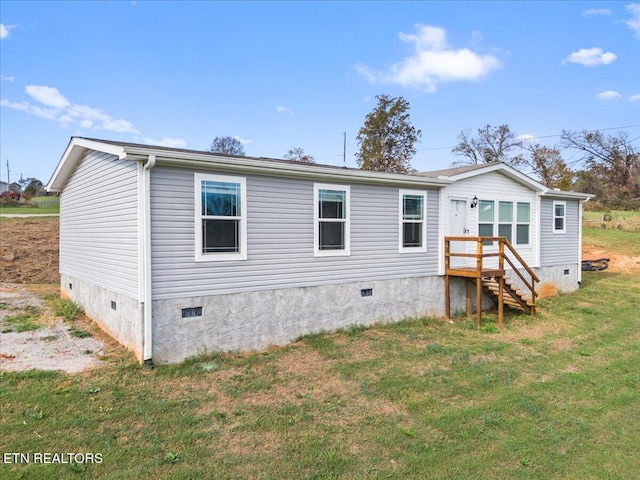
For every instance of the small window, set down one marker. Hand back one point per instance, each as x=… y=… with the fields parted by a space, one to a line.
x=191 y=312
x=523 y=223
x=412 y=225
x=559 y=217
x=331 y=220
x=221 y=220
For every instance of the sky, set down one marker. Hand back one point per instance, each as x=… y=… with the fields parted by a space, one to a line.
x=281 y=75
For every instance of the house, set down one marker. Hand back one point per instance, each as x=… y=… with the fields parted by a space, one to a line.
x=4 y=186
x=179 y=252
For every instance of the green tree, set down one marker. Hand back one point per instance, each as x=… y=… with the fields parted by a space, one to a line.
x=387 y=138
x=548 y=164
x=493 y=144
x=227 y=146
x=297 y=155
x=33 y=187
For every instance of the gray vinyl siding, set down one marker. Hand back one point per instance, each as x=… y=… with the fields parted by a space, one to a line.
x=559 y=248
x=99 y=223
x=280 y=239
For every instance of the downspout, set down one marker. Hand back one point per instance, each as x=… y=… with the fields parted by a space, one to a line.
x=147 y=339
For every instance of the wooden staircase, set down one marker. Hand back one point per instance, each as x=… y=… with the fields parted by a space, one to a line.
x=514 y=297
x=492 y=281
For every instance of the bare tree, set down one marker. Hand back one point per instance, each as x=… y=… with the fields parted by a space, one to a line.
x=548 y=164
x=493 y=144
x=297 y=154
x=611 y=166
x=227 y=146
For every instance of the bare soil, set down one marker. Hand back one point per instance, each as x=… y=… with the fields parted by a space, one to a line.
x=29 y=250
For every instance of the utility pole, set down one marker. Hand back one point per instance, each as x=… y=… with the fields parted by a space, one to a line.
x=344 y=148
x=8 y=181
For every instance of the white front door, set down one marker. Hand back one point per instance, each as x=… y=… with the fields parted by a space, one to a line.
x=458 y=228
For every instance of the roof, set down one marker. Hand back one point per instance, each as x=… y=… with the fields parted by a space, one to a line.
x=177 y=157
x=467 y=171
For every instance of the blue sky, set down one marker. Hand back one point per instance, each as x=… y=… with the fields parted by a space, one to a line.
x=278 y=75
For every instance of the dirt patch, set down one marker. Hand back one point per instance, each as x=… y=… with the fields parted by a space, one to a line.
x=618 y=263
x=29 y=250
x=50 y=347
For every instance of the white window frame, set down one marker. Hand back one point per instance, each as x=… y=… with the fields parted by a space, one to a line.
x=564 y=217
x=346 y=251
x=402 y=221
x=518 y=223
x=201 y=256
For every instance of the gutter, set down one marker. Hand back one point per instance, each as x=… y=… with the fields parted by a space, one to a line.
x=145 y=288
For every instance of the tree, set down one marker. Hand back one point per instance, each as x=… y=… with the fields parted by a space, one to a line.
x=548 y=164
x=386 y=140
x=297 y=154
x=32 y=189
x=227 y=146
x=493 y=144
x=612 y=166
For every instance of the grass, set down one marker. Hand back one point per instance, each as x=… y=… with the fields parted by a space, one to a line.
x=613 y=240
x=627 y=220
x=554 y=396
x=37 y=205
x=25 y=321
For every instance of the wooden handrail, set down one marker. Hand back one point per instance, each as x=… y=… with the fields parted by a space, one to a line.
x=501 y=254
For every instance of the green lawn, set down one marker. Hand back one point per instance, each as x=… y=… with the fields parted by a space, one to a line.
x=37 y=205
x=555 y=396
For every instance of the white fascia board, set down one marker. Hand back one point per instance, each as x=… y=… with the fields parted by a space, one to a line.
x=564 y=195
x=507 y=171
x=282 y=169
x=72 y=155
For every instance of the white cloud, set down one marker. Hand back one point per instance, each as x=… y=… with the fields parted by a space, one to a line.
x=284 y=110
x=596 y=11
x=635 y=98
x=8 y=79
x=634 y=22
x=166 y=142
x=48 y=96
x=242 y=140
x=433 y=62
x=55 y=106
x=609 y=95
x=590 y=57
x=5 y=29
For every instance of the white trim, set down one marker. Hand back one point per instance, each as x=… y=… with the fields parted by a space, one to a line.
x=346 y=251
x=200 y=256
x=580 y=213
x=564 y=217
x=401 y=221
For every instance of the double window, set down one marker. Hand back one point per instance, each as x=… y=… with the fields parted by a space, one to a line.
x=511 y=219
x=412 y=223
x=331 y=213
x=221 y=218
x=559 y=217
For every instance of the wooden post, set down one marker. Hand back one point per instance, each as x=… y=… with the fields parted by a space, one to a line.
x=479 y=283
x=447 y=299
x=469 y=297
x=501 y=284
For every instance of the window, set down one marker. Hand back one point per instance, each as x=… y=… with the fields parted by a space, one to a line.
x=221 y=220
x=523 y=222
x=505 y=220
x=413 y=225
x=485 y=219
x=331 y=220
x=559 y=217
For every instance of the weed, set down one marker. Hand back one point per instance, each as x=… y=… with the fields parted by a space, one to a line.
x=65 y=308
x=49 y=338
x=489 y=328
x=171 y=458
x=23 y=322
x=74 y=332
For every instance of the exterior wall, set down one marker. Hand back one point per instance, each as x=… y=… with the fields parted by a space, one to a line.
x=566 y=278
x=254 y=320
x=280 y=243
x=99 y=224
x=559 y=248
x=125 y=323
x=491 y=186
